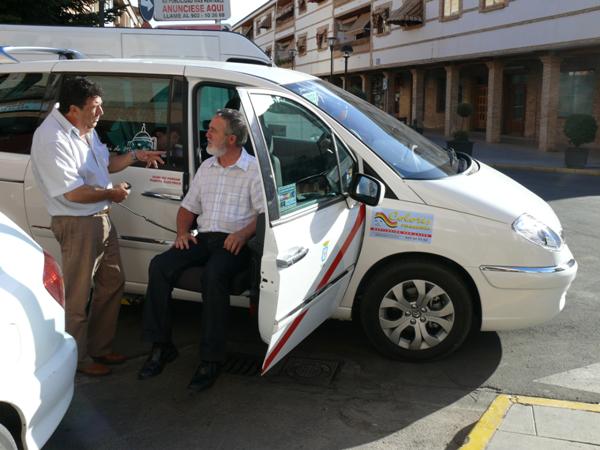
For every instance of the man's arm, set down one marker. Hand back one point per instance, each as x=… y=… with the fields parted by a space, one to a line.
x=93 y=194
x=236 y=241
x=185 y=220
x=152 y=158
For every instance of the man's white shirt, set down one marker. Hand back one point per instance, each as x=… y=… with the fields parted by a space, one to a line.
x=62 y=161
x=226 y=199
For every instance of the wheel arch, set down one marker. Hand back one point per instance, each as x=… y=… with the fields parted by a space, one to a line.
x=11 y=418
x=422 y=258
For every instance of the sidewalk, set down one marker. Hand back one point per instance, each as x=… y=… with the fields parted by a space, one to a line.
x=516 y=422
x=515 y=156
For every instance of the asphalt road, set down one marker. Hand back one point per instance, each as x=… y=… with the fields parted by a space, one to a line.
x=334 y=391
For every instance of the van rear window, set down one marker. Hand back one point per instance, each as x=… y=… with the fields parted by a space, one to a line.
x=21 y=96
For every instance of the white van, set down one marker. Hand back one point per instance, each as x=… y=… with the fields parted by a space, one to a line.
x=364 y=219
x=211 y=45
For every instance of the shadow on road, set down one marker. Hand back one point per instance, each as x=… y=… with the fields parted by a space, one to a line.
x=367 y=399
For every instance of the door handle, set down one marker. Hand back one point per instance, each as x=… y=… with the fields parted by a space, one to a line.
x=294 y=255
x=172 y=197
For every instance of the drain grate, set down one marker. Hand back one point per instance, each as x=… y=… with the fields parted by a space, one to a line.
x=242 y=364
x=317 y=372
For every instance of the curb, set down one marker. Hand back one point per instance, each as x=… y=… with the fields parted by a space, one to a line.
x=592 y=172
x=484 y=429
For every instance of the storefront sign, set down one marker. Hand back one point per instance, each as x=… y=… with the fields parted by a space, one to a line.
x=191 y=9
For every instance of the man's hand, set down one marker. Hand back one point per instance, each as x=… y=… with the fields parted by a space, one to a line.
x=182 y=241
x=118 y=193
x=235 y=242
x=151 y=157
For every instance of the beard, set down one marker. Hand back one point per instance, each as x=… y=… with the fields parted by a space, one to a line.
x=215 y=151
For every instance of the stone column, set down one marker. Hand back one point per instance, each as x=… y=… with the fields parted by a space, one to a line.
x=452 y=80
x=418 y=96
x=366 y=86
x=388 y=101
x=549 y=102
x=493 y=125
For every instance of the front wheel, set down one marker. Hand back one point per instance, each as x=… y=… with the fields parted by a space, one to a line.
x=416 y=311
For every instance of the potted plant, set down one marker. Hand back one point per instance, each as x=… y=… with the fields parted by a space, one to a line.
x=580 y=129
x=460 y=139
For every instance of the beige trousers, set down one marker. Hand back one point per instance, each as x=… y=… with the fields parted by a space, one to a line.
x=90 y=260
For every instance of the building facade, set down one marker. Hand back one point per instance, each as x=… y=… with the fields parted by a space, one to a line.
x=524 y=65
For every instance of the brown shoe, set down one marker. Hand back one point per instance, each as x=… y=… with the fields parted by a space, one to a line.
x=94 y=370
x=110 y=359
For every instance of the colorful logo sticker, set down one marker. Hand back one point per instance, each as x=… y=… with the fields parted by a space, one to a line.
x=325 y=251
x=402 y=225
x=287 y=197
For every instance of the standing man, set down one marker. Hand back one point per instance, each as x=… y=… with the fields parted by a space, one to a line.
x=225 y=199
x=71 y=167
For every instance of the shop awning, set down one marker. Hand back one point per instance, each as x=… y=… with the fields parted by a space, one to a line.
x=359 y=25
x=282 y=11
x=266 y=22
x=410 y=13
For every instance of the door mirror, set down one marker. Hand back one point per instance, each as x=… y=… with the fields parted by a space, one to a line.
x=366 y=189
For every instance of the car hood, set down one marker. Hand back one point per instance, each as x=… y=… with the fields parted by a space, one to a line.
x=486 y=193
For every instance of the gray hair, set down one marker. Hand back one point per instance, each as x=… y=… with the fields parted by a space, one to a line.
x=236 y=125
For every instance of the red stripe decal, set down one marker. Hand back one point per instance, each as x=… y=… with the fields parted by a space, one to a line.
x=359 y=221
x=271 y=356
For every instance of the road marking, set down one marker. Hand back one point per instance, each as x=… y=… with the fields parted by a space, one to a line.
x=484 y=429
x=583 y=379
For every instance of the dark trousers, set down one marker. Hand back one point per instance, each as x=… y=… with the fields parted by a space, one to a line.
x=220 y=266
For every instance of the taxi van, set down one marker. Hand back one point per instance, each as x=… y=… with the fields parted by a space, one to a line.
x=365 y=218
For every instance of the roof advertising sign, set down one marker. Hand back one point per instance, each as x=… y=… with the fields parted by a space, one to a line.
x=191 y=9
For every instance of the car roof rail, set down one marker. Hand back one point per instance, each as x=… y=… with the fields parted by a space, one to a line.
x=63 y=53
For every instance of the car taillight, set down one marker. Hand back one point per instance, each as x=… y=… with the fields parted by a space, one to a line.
x=53 y=280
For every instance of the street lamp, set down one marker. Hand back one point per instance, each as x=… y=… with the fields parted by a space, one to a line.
x=292 y=53
x=347 y=50
x=331 y=41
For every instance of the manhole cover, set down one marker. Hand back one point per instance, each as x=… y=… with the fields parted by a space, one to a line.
x=242 y=364
x=318 y=372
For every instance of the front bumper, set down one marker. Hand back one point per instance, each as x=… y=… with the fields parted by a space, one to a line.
x=515 y=297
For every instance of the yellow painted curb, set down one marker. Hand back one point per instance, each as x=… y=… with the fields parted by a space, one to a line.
x=555 y=403
x=482 y=433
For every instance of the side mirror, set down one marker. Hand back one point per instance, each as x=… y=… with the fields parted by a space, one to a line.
x=366 y=189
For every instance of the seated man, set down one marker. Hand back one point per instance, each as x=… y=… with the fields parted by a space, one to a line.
x=226 y=197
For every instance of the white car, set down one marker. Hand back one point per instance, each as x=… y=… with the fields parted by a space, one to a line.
x=37 y=357
x=364 y=218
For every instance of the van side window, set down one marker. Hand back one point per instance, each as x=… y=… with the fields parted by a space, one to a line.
x=133 y=103
x=21 y=97
x=304 y=154
x=209 y=99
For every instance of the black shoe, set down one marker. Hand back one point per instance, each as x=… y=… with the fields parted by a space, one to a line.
x=205 y=375
x=160 y=355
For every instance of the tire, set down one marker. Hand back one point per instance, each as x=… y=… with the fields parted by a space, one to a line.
x=7 y=442
x=403 y=324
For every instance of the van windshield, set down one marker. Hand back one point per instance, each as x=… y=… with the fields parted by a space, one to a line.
x=409 y=153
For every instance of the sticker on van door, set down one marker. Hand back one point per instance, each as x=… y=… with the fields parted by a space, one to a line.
x=402 y=225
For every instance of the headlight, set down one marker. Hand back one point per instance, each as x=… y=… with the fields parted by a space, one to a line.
x=537 y=232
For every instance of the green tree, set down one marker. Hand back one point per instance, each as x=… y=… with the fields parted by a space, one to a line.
x=54 y=12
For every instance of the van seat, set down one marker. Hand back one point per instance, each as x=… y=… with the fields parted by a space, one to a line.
x=246 y=280
x=191 y=280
